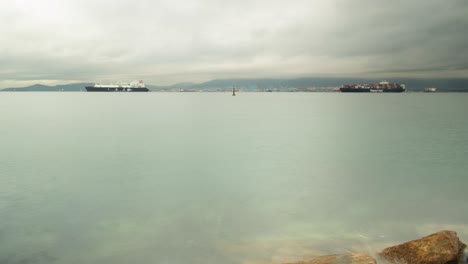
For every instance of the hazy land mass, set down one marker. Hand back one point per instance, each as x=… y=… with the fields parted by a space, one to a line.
x=312 y=84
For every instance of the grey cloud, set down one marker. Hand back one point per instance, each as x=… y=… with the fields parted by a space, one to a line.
x=408 y=33
x=170 y=41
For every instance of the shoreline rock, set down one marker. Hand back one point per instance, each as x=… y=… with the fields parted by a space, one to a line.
x=443 y=247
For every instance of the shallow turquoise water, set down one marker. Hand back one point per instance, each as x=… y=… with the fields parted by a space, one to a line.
x=211 y=178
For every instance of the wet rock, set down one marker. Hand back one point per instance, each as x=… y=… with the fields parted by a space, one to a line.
x=443 y=247
x=340 y=259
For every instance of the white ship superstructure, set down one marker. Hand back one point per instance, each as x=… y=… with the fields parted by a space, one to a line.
x=135 y=86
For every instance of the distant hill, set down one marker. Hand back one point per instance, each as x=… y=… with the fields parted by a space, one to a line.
x=45 y=88
x=299 y=84
x=296 y=84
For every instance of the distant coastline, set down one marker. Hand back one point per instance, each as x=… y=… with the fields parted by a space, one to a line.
x=313 y=84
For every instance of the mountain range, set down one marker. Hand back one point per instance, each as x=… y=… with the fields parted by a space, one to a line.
x=296 y=84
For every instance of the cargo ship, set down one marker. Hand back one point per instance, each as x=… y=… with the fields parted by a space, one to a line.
x=135 y=86
x=381 y=87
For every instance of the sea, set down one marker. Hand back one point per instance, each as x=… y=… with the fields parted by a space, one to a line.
x=205 y=178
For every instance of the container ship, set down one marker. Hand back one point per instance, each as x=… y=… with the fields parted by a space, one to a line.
x=381 y=87
x=135 y=86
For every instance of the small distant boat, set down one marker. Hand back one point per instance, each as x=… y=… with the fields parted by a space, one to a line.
x=430 y=90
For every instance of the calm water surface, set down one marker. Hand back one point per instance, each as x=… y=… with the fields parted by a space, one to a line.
x=210 y=178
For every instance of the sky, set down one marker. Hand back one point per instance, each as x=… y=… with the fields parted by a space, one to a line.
x=171 y=41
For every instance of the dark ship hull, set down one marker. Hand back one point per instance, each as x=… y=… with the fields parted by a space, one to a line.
x=115 y=89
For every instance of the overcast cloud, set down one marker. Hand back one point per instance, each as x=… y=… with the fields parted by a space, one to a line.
x=170 y=41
